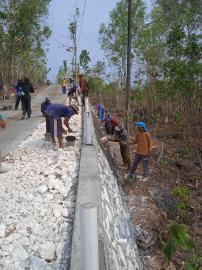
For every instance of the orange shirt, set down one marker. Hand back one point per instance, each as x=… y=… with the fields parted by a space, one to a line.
x=144 y=143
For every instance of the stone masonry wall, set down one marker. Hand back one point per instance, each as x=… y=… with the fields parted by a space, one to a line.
x=120 y=251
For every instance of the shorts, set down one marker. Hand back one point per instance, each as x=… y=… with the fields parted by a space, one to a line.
x=56 y=128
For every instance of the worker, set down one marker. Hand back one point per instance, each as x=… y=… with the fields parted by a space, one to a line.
x=110 y=123
x=64 y=85
x=2 y=122
x=55 y=113
x=85 y=88
x=44 y=106
x=73 y=91
x=144 y=148
x=2 y=125
x=19 y=94
x=121 y=136
x=27 y=88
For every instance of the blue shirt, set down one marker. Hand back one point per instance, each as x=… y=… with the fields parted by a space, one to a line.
x=60 y=110
x=18 y=90
x=102 y=112
x=45 y=105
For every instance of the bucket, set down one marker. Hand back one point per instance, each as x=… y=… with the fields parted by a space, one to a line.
x=70 y=140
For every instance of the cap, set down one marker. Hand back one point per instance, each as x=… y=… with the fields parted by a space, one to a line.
x=141 y=125
x=75 y=108
x=119 y=127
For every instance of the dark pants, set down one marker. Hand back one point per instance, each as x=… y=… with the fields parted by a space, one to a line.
x=47 y=125
x=125 y=153
x=64 y=89
x=85 y=94
x=108 y=128
x=17 y=102
x=26 y=105
x=112 y=130
x=137 y=159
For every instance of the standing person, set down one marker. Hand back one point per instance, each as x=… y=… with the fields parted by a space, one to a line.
x=2 y=122
x=121 y=136
x=2 y=125
x=55 y=113
x=64 y=86
x=144 y=147
x=73 y=91
x=6 y=91
x=2 y=93
x=101 y=112
x=19 y=94
x=44 y=106
x=27 y=88
x=85 y=88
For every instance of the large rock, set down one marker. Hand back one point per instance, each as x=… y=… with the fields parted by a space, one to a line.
x=2 y=230
x=14 y=266
x=37 y=263
x=19 y=254
x=59 y=186
x=65 y=212
x=42 y=189
x=59 y=250
x=51 y=183
x=56 y=212
x=47 y=251
x=4 y=253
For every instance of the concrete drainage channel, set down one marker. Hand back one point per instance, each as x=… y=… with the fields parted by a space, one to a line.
x=101 y=234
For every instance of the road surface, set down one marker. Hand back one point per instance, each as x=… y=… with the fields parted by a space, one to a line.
x=18 y=129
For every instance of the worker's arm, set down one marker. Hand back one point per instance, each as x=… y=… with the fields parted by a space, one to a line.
x=66 y=122
x=132 y=140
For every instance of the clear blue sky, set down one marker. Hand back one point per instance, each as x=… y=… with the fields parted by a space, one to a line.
x=60 y=15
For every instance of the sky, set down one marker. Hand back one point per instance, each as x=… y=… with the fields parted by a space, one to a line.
x=60 y=15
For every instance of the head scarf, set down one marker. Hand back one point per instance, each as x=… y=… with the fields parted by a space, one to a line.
x=141 y=125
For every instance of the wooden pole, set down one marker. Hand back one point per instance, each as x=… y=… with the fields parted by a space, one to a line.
x=128 y=75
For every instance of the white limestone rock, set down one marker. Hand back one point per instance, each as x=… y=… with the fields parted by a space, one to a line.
x=2 y=230
x=56 y=212
x=25 y=264
x=19 y=254
x=47 y=251
x=4 y=253
x=59 y=186
x=7 y=247
x=42 y=189
x=42 y=212
x=51 y=182
x=14 y=266
x=37 y=263
x=65 y=212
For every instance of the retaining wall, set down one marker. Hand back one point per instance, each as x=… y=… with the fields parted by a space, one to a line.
x=98 y=184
